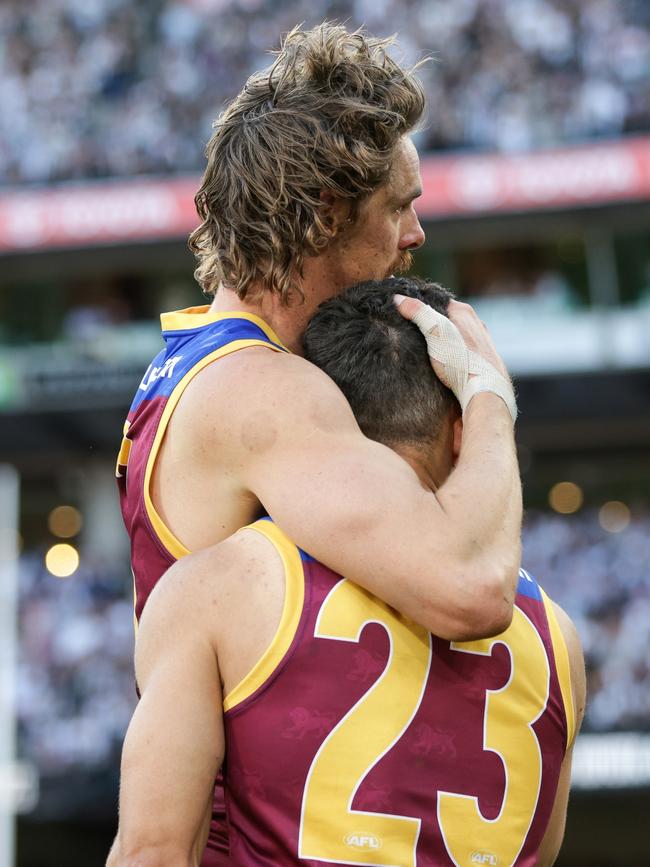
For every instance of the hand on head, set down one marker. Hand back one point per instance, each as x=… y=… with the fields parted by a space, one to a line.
x=461 y=350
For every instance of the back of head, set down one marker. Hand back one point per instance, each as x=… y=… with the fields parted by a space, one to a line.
x=327 y=116
x=379 y=360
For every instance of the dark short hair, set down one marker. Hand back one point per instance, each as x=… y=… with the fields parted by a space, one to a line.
x=379 y=360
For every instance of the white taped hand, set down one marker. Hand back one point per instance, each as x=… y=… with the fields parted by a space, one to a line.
x=465 y=372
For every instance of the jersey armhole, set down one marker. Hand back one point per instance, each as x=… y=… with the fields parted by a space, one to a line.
x=294 y=594
x=562 y=667
x=170 y=542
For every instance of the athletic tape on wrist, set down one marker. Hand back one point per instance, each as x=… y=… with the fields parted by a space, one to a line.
x=467 y=373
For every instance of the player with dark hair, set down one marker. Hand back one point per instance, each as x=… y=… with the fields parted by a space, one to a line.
x=350 y=734
x=310 y=187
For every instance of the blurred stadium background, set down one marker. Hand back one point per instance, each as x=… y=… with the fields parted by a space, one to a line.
x=536 y=167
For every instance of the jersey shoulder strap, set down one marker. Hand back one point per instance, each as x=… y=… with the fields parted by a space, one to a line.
x=294 y=596
x=194 y=338
x=528 y=587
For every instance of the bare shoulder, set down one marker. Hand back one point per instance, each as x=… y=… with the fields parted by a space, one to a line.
x=184 y=591
x=224 y=602
x=198 y=587
x=245 y=394
x=192 y=581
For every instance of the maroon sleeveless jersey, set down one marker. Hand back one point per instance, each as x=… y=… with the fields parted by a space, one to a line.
x=193 y=338
x=360 y=738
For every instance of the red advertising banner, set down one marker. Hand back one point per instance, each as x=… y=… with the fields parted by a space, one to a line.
x=117 y=212
x=100 y=212
x=592 y=174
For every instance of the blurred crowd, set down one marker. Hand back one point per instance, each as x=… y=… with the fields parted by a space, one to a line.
x=602 y=580
x=96 y=88
x=75 y=683
x=75 y=686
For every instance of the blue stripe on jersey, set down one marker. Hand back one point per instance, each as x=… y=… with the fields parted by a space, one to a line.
x=304 y=556
x=185 y=348
x=527 y=586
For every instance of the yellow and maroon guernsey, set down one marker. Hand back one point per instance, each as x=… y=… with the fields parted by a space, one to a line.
x=360 y=738
x=193 y=338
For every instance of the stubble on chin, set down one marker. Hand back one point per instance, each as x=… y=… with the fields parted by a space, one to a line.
x=402 y=265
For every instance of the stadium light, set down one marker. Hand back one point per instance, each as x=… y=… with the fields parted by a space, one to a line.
x=565 y=497
x=64 y=522
x=62 y=560
x=614 y=516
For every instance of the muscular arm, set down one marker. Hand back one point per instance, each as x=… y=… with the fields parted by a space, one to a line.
x=174 y=744
x=448 y=560
x=552 y=842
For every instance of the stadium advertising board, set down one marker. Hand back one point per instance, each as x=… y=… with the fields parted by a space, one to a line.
x=95 y=213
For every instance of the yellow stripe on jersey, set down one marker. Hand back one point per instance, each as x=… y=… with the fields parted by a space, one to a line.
x=197 y=317
x=562 y=666
x=165 y=535
x=294 y=595
x=125 y=450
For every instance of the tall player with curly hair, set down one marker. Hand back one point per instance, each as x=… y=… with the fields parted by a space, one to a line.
x=309 y=188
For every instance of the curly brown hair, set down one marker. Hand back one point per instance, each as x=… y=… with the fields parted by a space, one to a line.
x=326 y=116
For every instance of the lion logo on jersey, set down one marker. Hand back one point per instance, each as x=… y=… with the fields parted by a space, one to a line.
x=428 y=740
x=366 y=666
x=307 y=722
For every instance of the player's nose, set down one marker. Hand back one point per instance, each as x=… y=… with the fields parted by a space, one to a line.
x=413 y=237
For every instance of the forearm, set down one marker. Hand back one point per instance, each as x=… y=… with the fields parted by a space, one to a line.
x=448 y=561
x=482 y=497
x=150 y=855
x=174 y=744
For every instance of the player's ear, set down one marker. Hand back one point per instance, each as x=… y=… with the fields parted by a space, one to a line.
x=334 y=210
x=457 y=438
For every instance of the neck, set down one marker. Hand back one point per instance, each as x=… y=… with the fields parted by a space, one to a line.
x=288 y=323
x=428 y=465
x=322 y=278
x=432 y=462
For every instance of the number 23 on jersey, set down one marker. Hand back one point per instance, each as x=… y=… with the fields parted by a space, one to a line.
x=330 y=830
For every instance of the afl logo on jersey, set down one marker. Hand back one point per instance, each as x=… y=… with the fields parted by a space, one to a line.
x=484 y=858
x=358 y=840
